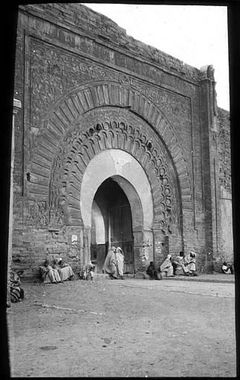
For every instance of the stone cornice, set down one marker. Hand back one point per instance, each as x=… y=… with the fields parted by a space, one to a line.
x=83 y=21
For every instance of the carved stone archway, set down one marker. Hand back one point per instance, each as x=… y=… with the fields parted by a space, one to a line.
x=109 y=116
x=126 y=171
x=108 y=128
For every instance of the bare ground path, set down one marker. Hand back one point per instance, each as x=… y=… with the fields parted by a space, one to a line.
x=124 y=328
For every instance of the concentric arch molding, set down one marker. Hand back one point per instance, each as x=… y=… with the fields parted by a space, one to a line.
x=71 y=111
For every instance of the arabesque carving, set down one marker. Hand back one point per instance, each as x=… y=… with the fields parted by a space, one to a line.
x=102 y=116
x=54 y=72
x=39 y=214
x=83 y=144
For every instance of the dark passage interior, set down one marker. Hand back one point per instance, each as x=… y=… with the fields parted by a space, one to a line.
x=111 y=225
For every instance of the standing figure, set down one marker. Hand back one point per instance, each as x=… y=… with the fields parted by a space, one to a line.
x=120 y=261
x=166 y=267
x=110 y=264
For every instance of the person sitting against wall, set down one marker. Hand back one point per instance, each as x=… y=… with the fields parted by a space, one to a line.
x=167 y=267
x=227 y=268
x=152 y=272
x=190 y=264
x=178 y=263
x=16 y=292
x=185 y=265
x=64 y=270
x=49 y=274
x=88 y=272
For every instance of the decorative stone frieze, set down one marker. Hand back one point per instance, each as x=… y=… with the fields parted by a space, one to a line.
x=99 y=28
x=54 y=72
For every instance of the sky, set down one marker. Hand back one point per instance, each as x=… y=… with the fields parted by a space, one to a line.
x=197 y=35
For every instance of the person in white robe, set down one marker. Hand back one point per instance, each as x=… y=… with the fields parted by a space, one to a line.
x=227 y=268
x=166 y=267
x=88 y=272
x=190 y=264
x=49 y=274
x=110 y=264
x=120 y=261
x=65 y=270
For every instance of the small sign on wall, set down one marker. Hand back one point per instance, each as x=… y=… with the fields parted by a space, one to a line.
x=74 y=239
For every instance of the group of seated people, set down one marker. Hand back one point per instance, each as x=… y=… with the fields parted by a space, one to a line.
x=55 y=272
x=181 y=264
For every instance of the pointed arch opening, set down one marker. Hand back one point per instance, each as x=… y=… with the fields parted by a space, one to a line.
x=111 y=224
x=113 y=211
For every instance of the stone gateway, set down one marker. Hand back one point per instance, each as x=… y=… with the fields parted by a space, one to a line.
x=115 y=144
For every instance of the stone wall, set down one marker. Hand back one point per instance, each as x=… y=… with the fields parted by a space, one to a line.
x=86 y=86
x=225 y=196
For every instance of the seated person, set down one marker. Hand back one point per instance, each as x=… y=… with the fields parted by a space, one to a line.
x=88 y=271
x=16 y=292
x=166 y=267
x=65 y=270
x=49 y=274
x=227 y=268
x=190 y=264
x=177 y=264
x=153 y=273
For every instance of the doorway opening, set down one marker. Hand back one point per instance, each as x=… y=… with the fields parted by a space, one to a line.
x=111 y=225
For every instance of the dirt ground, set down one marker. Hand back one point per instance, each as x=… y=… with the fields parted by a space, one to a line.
x=123 y=328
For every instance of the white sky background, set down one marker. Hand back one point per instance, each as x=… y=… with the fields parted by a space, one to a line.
x=197 y=35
